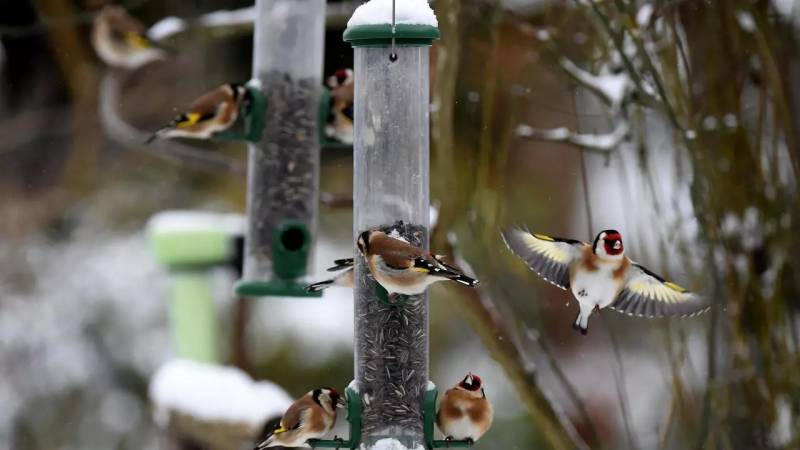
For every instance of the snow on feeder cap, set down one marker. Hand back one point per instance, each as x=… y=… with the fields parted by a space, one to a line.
x=372 y=24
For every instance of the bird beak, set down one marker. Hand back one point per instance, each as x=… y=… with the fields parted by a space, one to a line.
x=617 y=245
x=341 y=403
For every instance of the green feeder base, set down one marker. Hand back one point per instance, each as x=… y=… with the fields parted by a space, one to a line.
x=354 y=408
x=252 y=118
x=274 y=288
x=429 y=418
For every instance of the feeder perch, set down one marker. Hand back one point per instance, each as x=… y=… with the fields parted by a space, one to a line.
x=354 y=409
x=190 y=244
x=283 y=165
x=250 y=124
x=391 y=193
x=429 y=420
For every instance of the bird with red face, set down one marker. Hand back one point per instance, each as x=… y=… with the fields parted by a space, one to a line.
x=600 y=275
x=464 y=412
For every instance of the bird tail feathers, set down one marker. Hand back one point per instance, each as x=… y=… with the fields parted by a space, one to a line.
x=316 y=287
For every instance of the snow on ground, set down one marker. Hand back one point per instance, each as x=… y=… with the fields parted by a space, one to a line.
x=214 y=393
x=378 y=12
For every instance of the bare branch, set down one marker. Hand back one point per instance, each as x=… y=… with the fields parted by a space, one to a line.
x=132 y=138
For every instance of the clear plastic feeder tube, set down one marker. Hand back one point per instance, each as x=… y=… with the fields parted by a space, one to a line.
x=391 y=171
x=283 y=171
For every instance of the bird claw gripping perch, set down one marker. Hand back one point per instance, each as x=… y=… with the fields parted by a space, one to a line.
x=354 y=409
x=428 y=420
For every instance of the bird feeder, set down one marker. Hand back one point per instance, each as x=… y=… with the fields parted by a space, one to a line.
x=283 y=171
x=391 y=172
x=190 y=244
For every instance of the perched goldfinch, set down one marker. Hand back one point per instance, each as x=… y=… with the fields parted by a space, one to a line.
x=310 y=417
x=120 y=40
x=213 y=112
x=344 y=279
x=464 y=413
x=402 y=268
x=340 y=118
x=600 y=275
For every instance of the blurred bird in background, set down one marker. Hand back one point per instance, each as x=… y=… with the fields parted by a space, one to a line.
x=213 y=112
x=310 y=417
x=120 y=40
x=464 y=413
x=340 y=117
x=600 y=275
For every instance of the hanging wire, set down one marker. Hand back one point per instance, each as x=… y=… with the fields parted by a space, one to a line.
x=392 y=53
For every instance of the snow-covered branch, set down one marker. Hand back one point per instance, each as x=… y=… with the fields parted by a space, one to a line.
x=127 y=135
x=336 y=16
x=603 y=143
x=610 y=87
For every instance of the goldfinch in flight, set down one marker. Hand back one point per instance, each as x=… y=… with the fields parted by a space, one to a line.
x=402 y=268
x=310 y=417
x=120 y=40
x=600 y=275
x=213 y=112
x=340 y=117
x=464 y=413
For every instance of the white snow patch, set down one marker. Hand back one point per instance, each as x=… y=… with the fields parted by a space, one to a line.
x=430 y=386
x=612 y=86
x=390 y=444
x=170 y=26
x=182 y=221
x=785 y=7
x=543 y=35
x=746 y=21
x=409 y=12
x=166 y=27
x=353 y=386
x=215 y=393
x=644 y=14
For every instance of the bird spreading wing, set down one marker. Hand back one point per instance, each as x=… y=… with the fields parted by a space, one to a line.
x=645 y=294
x=549 y=257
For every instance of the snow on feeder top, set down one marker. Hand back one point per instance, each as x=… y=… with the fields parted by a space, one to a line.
x=283 y=167
x=391 y=193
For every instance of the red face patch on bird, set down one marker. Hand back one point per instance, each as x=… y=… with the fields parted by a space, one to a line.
x=471 y=382
x=612 y=243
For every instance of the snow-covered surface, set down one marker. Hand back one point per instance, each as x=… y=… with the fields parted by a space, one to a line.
x=214 y=393
x=644 y=14
x=378 y=12
x=182 y=221
x=746 y=21
x=612 y=86
x=170 y=26
x=390 y=444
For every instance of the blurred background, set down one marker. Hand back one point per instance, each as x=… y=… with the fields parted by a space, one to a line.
x=675 y=122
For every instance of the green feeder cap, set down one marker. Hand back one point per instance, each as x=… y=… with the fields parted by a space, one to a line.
x=406 y=35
